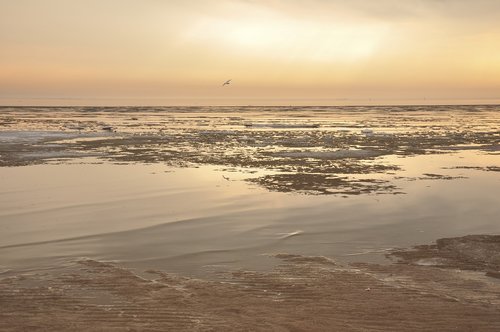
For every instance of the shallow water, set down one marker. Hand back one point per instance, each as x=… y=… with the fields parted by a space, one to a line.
x=207 y=208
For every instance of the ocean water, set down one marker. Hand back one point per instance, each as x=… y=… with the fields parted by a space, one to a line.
x=196 y=190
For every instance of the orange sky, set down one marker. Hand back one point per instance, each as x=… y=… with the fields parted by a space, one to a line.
x=276 y=51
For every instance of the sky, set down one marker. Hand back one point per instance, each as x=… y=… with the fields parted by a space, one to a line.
x=276 y=51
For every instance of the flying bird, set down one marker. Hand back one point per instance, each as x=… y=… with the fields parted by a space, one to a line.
x=226 y=82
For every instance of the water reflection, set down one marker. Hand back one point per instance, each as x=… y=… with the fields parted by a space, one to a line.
x=191 y=218
x=184 y=189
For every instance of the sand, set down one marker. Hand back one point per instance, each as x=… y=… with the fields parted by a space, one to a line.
x=300 y=294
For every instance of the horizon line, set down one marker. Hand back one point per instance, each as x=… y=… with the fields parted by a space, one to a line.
x=245 y=106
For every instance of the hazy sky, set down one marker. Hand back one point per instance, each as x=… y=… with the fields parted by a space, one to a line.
x=276 y=49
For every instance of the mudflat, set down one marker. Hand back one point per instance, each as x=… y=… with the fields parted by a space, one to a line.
x=253 y=218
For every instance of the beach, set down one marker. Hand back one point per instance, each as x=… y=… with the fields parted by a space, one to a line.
x=250 y=218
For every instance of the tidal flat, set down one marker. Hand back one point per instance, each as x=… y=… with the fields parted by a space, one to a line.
x=250 y=218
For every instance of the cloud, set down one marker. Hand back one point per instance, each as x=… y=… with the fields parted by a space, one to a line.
x=390 y=10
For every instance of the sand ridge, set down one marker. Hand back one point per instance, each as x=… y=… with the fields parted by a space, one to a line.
x=300 y=294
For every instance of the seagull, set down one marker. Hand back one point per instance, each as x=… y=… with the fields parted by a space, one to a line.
x=226 y=82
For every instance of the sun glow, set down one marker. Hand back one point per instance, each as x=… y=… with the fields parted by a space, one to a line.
x=271 y=35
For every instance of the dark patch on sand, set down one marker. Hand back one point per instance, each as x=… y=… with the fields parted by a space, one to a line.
x=473 y=252
x=478 y=168
x=323 y=184
x=432 y=176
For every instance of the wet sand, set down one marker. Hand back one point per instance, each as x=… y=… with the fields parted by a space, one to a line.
x=301 y=294
x=267 y=219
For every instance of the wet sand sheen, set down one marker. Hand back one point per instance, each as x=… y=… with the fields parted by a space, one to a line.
x=302 y=293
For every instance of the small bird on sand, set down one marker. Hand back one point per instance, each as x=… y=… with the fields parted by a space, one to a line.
x=226 y=82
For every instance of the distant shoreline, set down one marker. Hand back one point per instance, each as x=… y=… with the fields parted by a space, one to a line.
x=496 y=103
x=243 y=102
